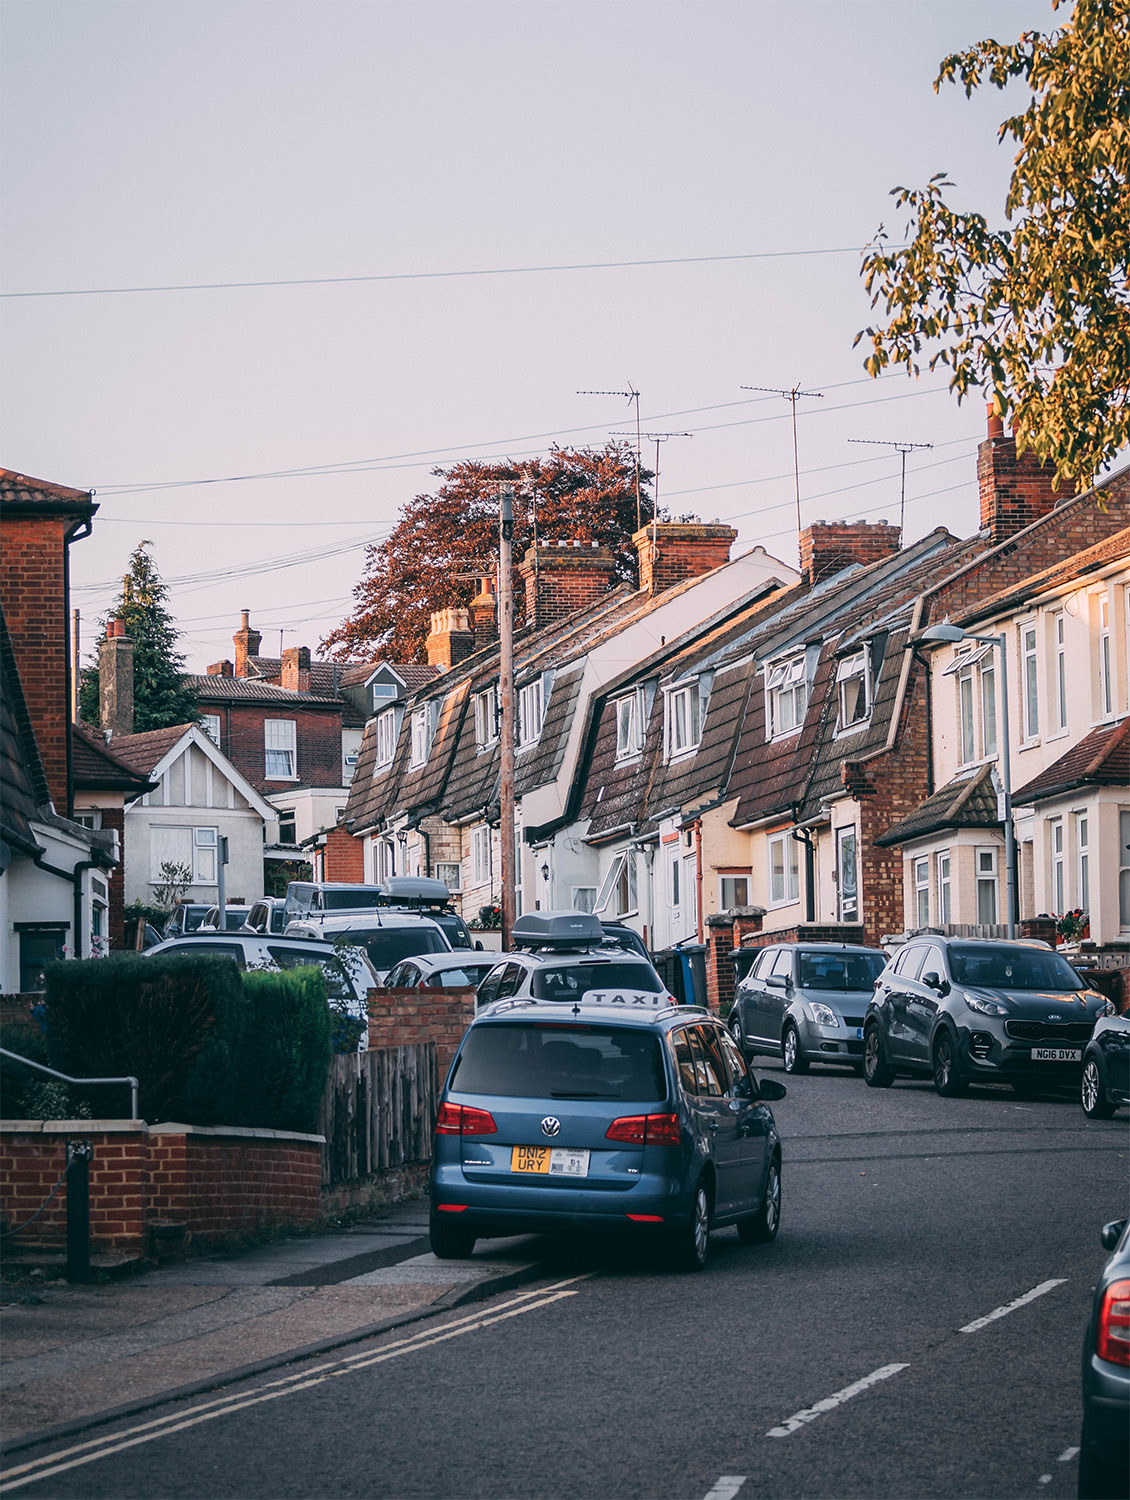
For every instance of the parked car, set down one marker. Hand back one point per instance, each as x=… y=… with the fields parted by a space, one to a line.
x=620 y=935
x=429 y=898
x=235 y=919
x=458 y=969
x=964 y=1009
x=267 y=915
x=349 y=976
x=187 y=917
x=385 y=936
x=1105 y=1085
x=806 y=1001
x=562 y=956
x=1104 y=1460
x=313 y=898
x=622 y=1113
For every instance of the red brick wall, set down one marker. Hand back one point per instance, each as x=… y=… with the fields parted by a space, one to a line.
x=318 y=737
x=399 y=1017
x=30 y=1165
x=830 y=546
x=562 y=579
x=1014 y=491
x=35 y=608
x=115 y=817
x=345 y=857
x=672 y=552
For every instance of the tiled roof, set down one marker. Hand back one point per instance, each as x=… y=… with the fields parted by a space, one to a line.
x=22 y=489
x=770 y=775
x=141 y=752
x=1101 y=758
x=541 y=763
x=327 y=678
x=211 y=688
x=968 y=801
x=98 y=768
x=23 y=785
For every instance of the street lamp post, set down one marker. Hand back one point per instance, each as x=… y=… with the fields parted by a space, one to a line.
x=954 y=633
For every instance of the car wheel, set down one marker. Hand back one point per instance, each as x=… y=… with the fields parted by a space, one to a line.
x=1097 y=1104
x=450 y=1241
x=690 y=1246
x=736 y=1031
x=761 y=1228
x=877 y=1074
x=947 y=1080
x=795 y=1061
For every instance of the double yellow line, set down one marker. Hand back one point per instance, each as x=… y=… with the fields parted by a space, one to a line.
x=165 y=1426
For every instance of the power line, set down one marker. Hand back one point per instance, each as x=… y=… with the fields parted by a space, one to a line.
x=792 y=397
x=597 y=265
x=904 y=449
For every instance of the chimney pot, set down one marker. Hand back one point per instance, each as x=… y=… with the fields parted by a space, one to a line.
x=670 y=552
x=827 y=548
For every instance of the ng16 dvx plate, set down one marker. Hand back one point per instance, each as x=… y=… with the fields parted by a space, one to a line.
x=1057 y=1054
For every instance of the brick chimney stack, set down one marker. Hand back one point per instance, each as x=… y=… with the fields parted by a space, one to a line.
x=451 y=639
x=296 y=669
x=830 y=546
x=1014 y=491
x=561 y=577
x=221 y=669
x=484 y=614
x=670 y=552
x=247 y=643
x=115 y=680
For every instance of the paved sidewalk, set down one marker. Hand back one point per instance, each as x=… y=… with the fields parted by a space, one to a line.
x=72 y=1354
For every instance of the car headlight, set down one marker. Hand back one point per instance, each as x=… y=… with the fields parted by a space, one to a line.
x=823 y=1015
x=1108 y=1009
x=983 y=1006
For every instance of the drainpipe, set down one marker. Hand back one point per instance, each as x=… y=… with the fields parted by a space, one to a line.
x=698 y=875
x=75 y=878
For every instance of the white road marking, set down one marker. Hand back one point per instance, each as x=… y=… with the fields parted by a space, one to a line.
x=1044 y=1479
x=802 y=1418
x=147 y=1432
x=1067 y=1455
x=726 y=1488
x=1002 y=1312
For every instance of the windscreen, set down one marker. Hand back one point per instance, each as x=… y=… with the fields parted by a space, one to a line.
x=455 y=927
x=193 y=916
x=355 y=900
x=543 y=1061
x=234 y=918
x=840 y=971
x=386 y=946
x=571 y=981
x=1012 y=968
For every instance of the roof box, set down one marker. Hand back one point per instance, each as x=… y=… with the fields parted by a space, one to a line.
x=557 y=929
x=415 y=888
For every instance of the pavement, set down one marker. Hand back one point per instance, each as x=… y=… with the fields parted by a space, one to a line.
x=73 y=1357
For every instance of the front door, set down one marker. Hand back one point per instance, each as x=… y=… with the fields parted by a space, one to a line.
x=847 y=874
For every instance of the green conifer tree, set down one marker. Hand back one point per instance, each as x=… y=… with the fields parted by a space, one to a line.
x=162 y=696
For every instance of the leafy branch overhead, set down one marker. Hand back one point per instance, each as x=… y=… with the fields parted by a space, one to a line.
x=444 y=540
x=1037 y=314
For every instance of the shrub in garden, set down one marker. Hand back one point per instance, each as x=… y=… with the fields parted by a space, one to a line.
x=285 y=1059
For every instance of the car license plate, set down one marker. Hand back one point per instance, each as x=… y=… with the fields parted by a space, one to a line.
x=1057 y=1054
x=555 y=1161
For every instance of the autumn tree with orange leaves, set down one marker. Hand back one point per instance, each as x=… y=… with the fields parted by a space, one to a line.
x=443 y=540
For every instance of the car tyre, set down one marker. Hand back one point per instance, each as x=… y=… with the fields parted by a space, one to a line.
x=794 y=1059
x=450 y=1240
x=690 y=1246
x=877 y=1072
x=1097 y=1103
x=948 y=1081
x=761 y=1228
x=735 y=1024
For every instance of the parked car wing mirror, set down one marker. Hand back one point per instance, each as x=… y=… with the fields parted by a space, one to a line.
x=1112 y=1233
x=770 y=1090
x=935 y=981
x=777 y=982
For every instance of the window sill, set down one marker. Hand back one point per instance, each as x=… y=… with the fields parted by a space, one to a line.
x=784 y=734
x=629 y=757
x=842 y=734
x=678 y=755
x=780 y=905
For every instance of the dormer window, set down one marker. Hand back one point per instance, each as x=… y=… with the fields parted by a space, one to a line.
x=682 y=719
x=853 y=687
x=531 y=713
x=386 y=738
x=485 y=707
x=629 y=725
x=786 y=692
x=421 y=727
x=382 y=692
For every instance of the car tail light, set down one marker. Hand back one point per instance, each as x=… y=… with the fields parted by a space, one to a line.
x=646 y=1130
x=1112 y=1337
x=645 y=1218
x=463 y=1119
x=451 y=1208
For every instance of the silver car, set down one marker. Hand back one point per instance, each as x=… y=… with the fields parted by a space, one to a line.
x=806 y=1001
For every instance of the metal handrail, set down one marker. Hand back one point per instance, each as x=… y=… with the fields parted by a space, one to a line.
x=51 y=1073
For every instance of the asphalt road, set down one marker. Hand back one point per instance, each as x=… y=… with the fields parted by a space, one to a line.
x=914 y=1332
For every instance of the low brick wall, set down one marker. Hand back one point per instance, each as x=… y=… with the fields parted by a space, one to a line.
x=408 y=1017
x=222 y=1184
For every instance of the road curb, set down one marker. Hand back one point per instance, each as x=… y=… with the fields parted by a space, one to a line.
x=457 y=1297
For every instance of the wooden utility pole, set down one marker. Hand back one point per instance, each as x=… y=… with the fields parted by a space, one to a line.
x=506 y=695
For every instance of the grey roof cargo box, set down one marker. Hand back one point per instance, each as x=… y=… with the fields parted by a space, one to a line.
x=557 y=929
x=403 y=888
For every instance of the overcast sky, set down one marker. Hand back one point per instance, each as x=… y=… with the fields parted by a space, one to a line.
x=157 y=145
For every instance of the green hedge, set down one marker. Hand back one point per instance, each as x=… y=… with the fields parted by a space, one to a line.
x=208 y=1046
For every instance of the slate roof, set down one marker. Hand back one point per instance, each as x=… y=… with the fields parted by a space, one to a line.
x=18 y=490
x=23 y=784
x=96 y=767
x=1101 y=758
x=541 y=763
x=211 y=688
x=968 y=801
x=141 y=752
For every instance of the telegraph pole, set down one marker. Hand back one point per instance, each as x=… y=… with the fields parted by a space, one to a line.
x=904 y=449
x=506 y=694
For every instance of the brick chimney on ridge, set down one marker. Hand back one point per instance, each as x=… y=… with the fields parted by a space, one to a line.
x=115 y=680
x=1014 y=491
x=247 y=643
x=562 y=577
x=828 y=547
x=670 y=552
x=484 y=614
x=221 y=669
x=451 y=639
x=296 y=669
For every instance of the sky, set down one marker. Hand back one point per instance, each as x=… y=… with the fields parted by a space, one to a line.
x=463 y=199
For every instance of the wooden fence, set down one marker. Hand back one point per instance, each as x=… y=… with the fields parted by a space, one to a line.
x=378 y=1112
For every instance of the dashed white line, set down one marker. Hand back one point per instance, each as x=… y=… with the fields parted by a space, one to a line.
x=1002 y=1312
x=802 y=1418
x=1064 y=1458
x=726 y=1488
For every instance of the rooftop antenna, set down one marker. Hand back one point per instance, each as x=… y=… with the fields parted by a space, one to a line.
x=286 y=631
x=792 y=396
x=903 y=449
x=631 y=394
x=656 y=438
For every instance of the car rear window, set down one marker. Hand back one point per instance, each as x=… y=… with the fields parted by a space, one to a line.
x=386 y=946
x=338 y=986
x=840 y=971
x=1012 y=968
x=349 y=900
x=543 y=1061
x=571 y=981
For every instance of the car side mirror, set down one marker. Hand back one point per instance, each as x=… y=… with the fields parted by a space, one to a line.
x=770 y=1090
x=1112 y=1233
x=935 y=981
x=478 y=944
x=777 y=982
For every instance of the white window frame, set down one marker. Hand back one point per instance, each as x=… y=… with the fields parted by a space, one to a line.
x=485 y=709
x=384 y=735
x=1057 y=848
x=450 y=871
x=280 y=739
x=944 y=864
x=1029 y=682
x=1124 y=869
x=855 y=668
x=629 y=725
x=987 y=883
x=421 y=737
x=847 y=904
x=619 y=886
x=531 y=713
x=966 y=721
x=583 y=897
x=783 y=872
x=728 y=898
x=785 y=683
x=210 y=724
x=987 y=675
x=920 y=869
x=481 y=861
x=291 y=816
x=1106 y=678
x=1059 y=668
x=682 y=720
x=1083 y=860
